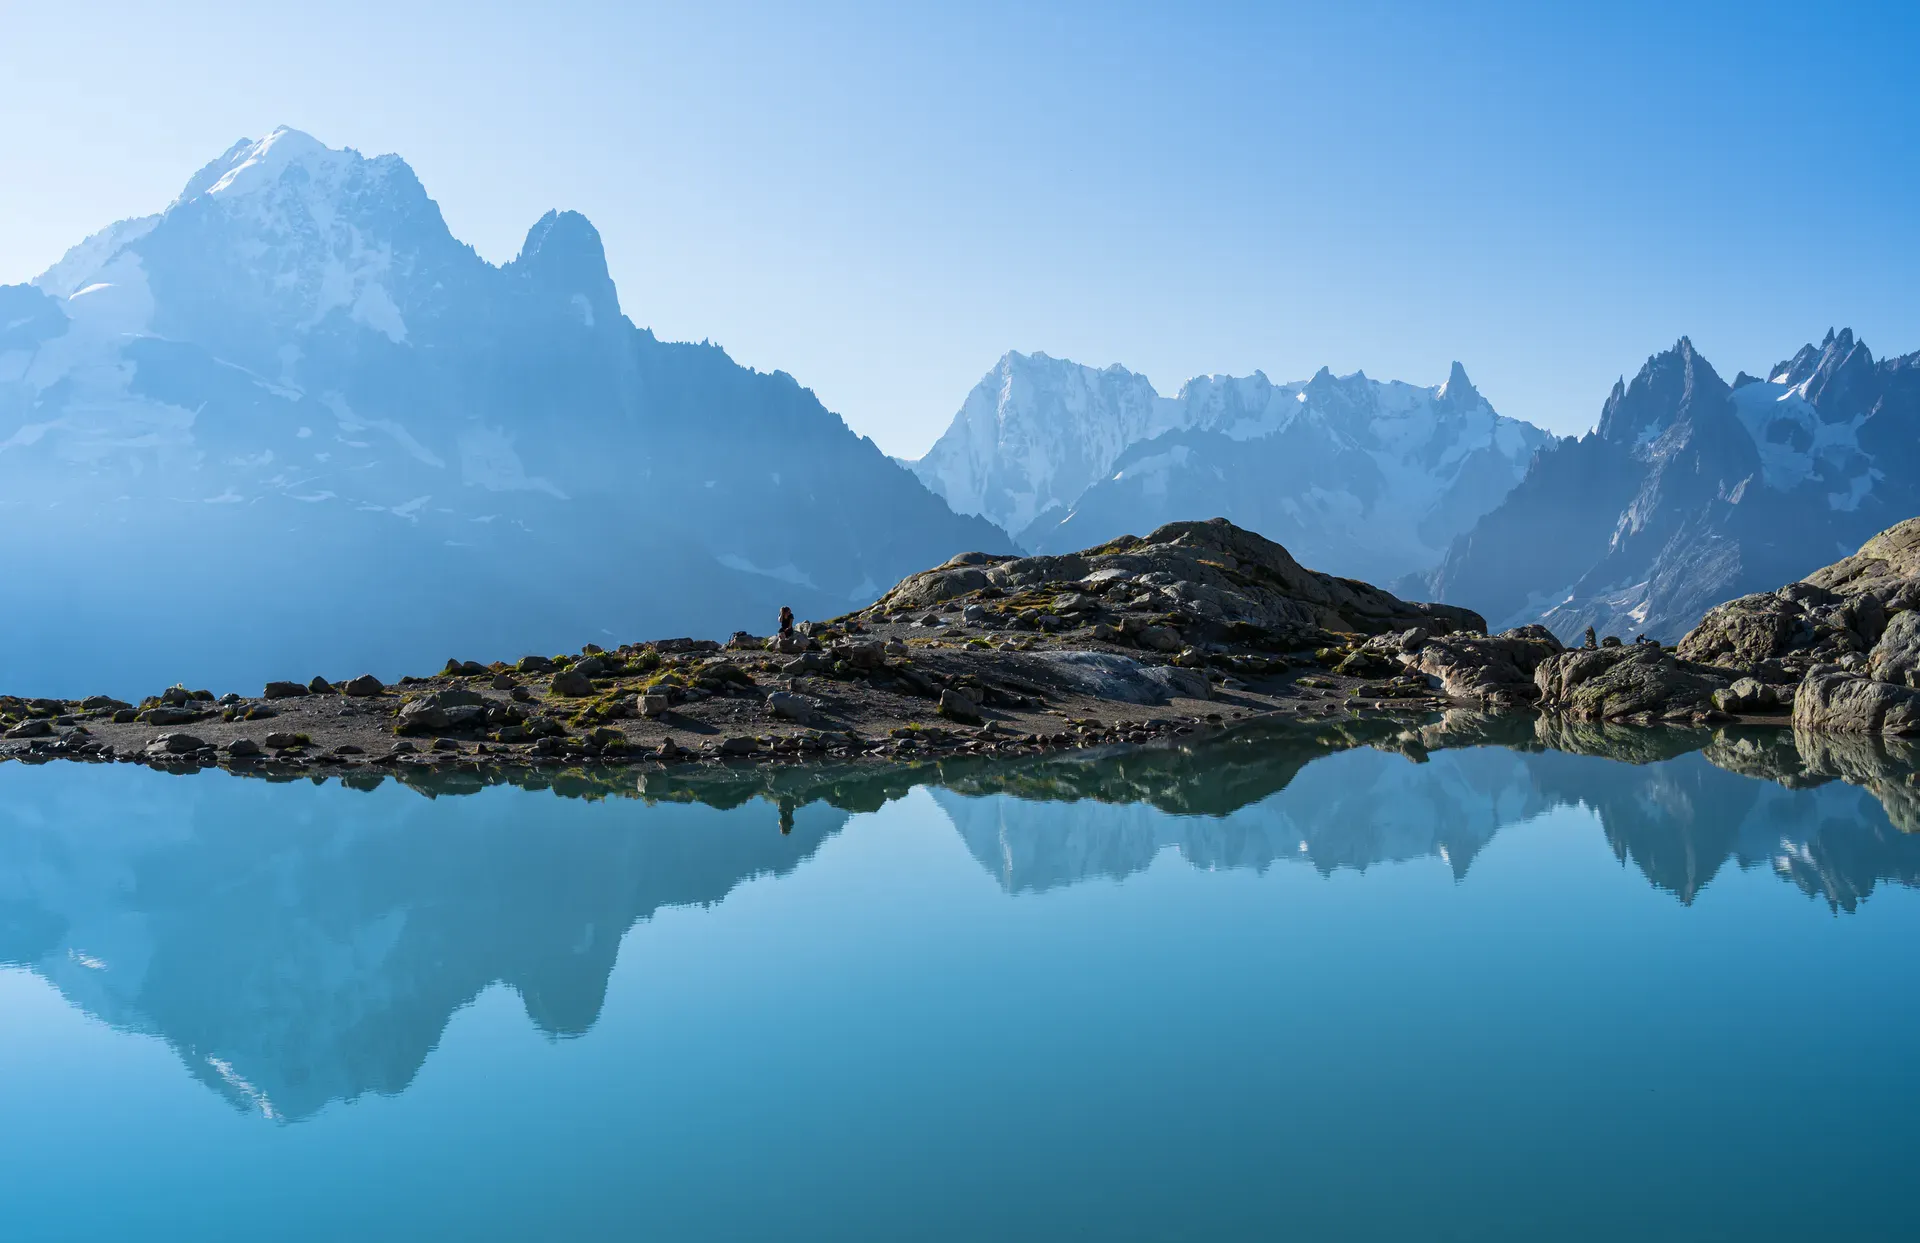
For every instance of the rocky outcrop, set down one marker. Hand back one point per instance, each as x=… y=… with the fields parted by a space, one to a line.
x=1496 y=670
x=1842 y=645
x=1187 y=580
x=1642 y=682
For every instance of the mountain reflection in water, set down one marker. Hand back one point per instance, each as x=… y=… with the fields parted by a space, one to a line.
x=297 y=947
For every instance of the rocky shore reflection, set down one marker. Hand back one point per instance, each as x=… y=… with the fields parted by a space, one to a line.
x=298 y=947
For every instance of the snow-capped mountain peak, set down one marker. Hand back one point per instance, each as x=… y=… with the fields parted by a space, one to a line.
x=1361 y=477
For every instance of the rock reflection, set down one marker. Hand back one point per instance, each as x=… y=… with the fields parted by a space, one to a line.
x=300 y=948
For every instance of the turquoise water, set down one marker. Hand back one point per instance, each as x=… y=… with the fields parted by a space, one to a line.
x=1494 y=995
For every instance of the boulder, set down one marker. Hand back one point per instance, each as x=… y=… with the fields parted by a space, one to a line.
x=1896 y=657
x=1612 y=683
x=364 y=686
x=797 y=708
x=956 y=706
x=320 y=686
x=1845 y=702
x=170 y=716
x=739 y=744
x=280 y=740
x=175 y=744
x=241 y=748
x=30 y=729
x=536 y=664
x=863 y=653
x=654 y=705
x=1159 y=639
x=95 y=703
x=284 y=690
x=1748 y=696
x=1494 y=670
x=572 y=684
x=1107 y=675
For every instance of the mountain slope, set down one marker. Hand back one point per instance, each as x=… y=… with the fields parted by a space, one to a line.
x=1367 y=478
x=1690 y=491
x=296 y=375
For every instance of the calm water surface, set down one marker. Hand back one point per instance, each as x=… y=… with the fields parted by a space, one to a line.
x=1272 y=990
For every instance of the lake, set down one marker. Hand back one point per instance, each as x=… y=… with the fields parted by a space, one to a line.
x=1477 y=980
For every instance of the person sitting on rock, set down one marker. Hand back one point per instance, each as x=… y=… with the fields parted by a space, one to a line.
x=786 y=621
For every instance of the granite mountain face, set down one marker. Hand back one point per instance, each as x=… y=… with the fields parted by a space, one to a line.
x=293 y=408
x=1691 y=491
x=1363 y=478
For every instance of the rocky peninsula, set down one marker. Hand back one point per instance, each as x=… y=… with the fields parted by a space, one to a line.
x=1194 y=628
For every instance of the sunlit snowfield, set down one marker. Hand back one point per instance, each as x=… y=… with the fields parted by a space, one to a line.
x=1491 y=996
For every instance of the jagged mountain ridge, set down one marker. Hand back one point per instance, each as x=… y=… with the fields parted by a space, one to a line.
x=1691 y=491
x=1368 y=479
x=298 y=365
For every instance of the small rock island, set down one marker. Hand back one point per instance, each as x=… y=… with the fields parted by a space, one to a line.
x=1198 y=626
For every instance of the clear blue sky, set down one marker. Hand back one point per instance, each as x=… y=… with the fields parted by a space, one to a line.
x=883 y=199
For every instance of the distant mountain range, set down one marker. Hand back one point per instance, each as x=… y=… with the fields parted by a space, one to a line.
x=290 y=416
x=1688 y=492
x=1362 y=478
x=1691 y=491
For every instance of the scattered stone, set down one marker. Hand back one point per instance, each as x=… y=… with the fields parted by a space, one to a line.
x=284 y=690
x=242 y=748
x=320 y=686
x=572 y=684
x=504 y=682
x=655 y=705
x=281 y=740
x=365 y=686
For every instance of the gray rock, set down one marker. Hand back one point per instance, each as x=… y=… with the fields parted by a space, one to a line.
x=1107 y=675
x=1747 y=696
x=171 y=716
x=739 y=745
x=591 y=666
x=535 y=664
x=572 y=684
x=280 y=740
x=30 y=729
x=1833 y=699
x=364 y=686
x=175 y=744
x=241 y=748
x=793 y=707
x=422 y=716
x=1497 y=670
x=958 y=707
x=1606 y=684
x=1159 y=639
x=863 y=654
x=1896 y=657
x=176 y=696
x=974 y=614
x=655 y=705
x=284 y=690
x=320 y=686
x=94 y=703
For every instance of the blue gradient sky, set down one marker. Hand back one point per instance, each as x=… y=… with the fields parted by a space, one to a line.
x=883 y=200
